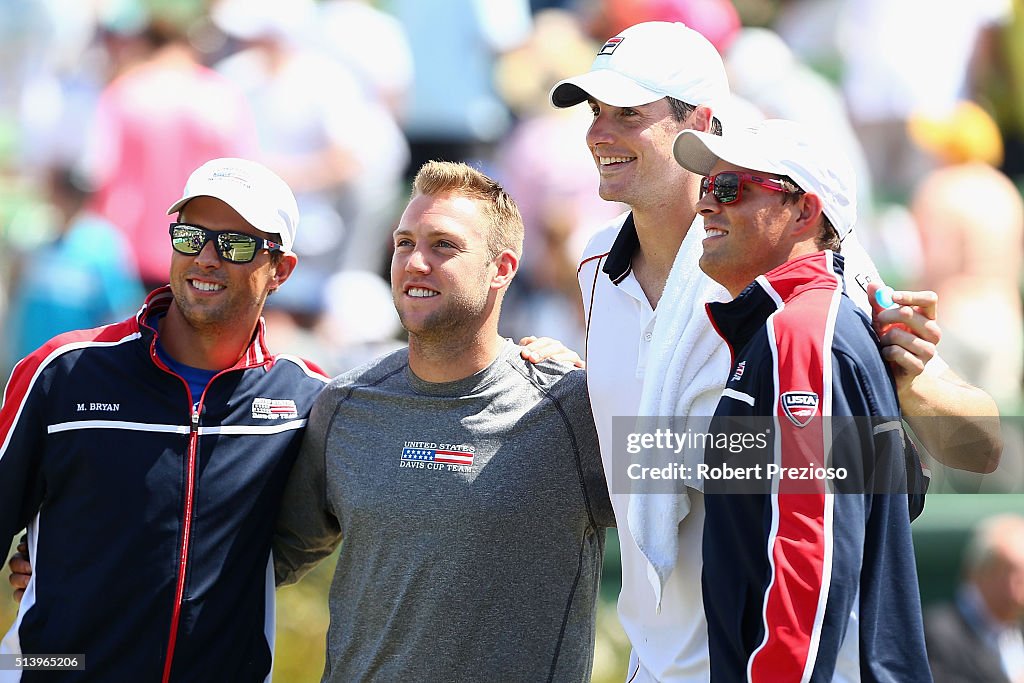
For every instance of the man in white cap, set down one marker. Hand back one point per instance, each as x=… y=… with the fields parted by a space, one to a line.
x=165 y=440
x=798 y=581
x=646 y=85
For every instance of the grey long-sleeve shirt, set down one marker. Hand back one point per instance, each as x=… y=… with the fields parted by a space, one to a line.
x=473 y=516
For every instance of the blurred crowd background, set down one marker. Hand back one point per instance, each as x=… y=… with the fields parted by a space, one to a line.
x=106 y=106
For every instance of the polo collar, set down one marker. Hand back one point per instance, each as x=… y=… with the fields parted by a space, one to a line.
x=619 y=263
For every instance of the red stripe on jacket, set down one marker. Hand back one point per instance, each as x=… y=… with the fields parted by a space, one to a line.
x=802 y=337
x=26 y=371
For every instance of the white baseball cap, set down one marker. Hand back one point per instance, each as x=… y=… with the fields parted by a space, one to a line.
x=253 y=190
x=645 y=63
x=780 y=147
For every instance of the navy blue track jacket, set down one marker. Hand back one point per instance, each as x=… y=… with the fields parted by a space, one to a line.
x=801 y=583
x=149 y=520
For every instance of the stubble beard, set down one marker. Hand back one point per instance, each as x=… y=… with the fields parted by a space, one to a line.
x=210 y=317
x=443 y=328
x=199 y=317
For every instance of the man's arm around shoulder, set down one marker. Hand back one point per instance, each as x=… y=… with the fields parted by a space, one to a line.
x=307 y=530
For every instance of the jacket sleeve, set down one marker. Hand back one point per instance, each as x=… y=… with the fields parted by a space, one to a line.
x=22 y=440
x=307 y=530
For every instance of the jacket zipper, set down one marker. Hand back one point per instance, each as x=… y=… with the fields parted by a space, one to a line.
x=193 y=439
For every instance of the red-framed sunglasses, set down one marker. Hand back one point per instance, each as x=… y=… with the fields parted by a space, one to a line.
x=727 y=186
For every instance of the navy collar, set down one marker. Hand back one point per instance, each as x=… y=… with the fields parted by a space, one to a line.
x=737 y=321
x=619 y=263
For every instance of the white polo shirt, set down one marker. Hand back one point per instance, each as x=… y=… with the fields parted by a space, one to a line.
x=670 y=645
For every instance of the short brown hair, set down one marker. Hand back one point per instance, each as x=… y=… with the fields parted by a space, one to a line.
x=827 y=237
x=446 y=177
x=680 y=110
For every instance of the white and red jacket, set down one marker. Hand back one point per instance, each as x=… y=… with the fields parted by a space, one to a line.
x=150 y=511
x=802 y=583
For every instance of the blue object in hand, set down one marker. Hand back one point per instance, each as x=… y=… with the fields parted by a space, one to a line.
x=884 y=297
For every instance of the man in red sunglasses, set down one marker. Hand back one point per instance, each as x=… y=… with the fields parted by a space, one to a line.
x=809 y=573
x=650 y=349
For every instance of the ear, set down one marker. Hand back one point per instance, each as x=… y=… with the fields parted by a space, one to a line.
x=700 y=119
x=508 y=265
x=283 y=270
x=808 y=219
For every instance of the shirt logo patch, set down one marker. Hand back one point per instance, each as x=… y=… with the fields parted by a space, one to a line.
x=800 y=406
x=436 y=456
x=610 y=46
x=274 y=409
x=740 y=367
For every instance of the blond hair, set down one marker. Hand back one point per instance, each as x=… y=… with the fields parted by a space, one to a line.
x=506 y=223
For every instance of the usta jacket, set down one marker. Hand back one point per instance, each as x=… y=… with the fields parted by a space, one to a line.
x=811 y=578
x=150 y=511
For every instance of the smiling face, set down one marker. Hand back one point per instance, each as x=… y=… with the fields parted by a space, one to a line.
x=443 y=279
x=632 y=147
x=748 y=237
x=212 y=293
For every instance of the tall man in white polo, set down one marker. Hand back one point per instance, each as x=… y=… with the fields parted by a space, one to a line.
x=646 y=85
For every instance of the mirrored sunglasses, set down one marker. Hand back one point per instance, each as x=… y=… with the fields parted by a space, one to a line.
x=234 y=247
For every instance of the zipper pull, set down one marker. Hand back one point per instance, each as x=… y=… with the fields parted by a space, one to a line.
x=195 y=419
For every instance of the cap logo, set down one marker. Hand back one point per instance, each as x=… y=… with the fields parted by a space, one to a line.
x=232 y=175
x=800 y=406
x=610 y=46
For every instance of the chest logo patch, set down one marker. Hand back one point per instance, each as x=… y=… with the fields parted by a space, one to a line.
x=431 y=455
x=800 y=406
x=740 y=367
x=274 y=409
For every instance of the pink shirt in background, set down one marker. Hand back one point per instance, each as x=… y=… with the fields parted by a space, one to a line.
x=155 y=125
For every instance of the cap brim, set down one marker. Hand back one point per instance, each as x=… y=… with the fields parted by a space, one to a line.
x=176 y=206
x=603 y=85
x=699 y=152
x=692 y=152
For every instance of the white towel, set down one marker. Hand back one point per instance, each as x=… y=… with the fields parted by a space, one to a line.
x=687 y=366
